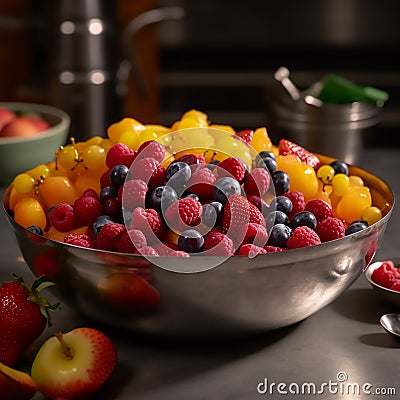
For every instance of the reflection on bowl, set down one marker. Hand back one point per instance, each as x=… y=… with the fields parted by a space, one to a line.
x=240 y=296
x=388 y=295
x=19 y=154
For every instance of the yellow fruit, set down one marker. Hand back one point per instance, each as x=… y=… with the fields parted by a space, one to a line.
x=115 y=130
x=57 y=189
x=302 y=176
x=29 y=212
x=261 y=140
x=353 y=203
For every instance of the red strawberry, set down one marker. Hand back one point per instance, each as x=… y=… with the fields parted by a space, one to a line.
x=246 y=135
x=287 y=147
x=238 y=212
x=24 y=314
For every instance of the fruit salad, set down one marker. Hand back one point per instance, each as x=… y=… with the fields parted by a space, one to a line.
x=194 y=188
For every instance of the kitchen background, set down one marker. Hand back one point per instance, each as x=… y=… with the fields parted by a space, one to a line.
x=218 y=56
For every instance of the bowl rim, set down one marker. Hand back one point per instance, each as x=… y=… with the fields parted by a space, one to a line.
x=375 y=265
x=62 y=125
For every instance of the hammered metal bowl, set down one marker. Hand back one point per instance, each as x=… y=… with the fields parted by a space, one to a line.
x=238 y=297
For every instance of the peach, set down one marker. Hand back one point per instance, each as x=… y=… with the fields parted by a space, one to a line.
x=20 y=127
x=6 y=116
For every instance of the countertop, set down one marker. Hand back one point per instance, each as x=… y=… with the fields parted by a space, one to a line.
x=341 y=352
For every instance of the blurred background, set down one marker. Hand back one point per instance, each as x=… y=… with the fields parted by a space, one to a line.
x=154 y=60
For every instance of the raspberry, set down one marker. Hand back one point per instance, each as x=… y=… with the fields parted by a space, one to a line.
x=273 y=249
x=118 y=154
x=183 y=213
x=320 y=208
x=386 y=275
x=157 y=178
x=79 y=239
x=202 y=183
x=396 y=285
x=163 y=248
x=297 y=199
x=63 y=218
x=330 y=228
x=131 y=240
x=146 y=251
x=149 y=222
x=87 y=209
x=238 y=212
x=133 y=193
x=246 y=135
x=109 y=236
x=250 y=249
x=255 y=234
x=148 y=170
x=257 y=182
x=105 y=179
x=218 y=244
x=91 y=193
x=232 y=167
x=302 y=236
x=152 y=149
x=178 y=253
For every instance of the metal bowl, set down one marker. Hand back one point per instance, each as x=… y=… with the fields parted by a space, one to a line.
x=240 y=296
x=386 y=294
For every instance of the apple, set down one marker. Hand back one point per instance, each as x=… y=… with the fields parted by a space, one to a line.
x=74 y=365
x=6 y=116
x=15 y=385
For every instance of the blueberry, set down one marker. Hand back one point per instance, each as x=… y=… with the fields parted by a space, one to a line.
x=304 y=218
x=268 y=163
x=108 y=192
x=100 y=221
x=191 y=241
x=212 y=164
x=118 y=175
x=279 y=234
x=212 y=214
x=356 y=226
x=177 y=174
x=276 y=217
x=282 y=203
x=226 y=187
x=161 y=198
x=340 y=167
x=37 y=230
x=281 y=182
x=192 y=196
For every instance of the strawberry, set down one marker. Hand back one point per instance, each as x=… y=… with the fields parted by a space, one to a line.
x=238 y=212
x=24 y=314
x=287 y=147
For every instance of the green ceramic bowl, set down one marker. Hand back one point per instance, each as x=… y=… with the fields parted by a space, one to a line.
x=23 y=153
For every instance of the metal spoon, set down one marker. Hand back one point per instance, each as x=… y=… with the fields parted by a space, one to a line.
x=391 y=323
x=282 y=76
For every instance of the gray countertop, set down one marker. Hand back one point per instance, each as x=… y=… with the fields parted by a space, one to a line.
x=334 y=354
